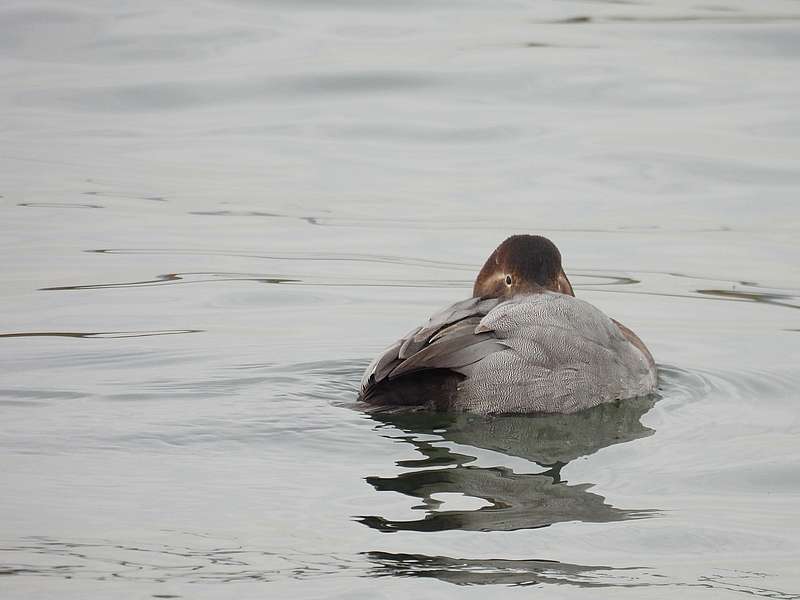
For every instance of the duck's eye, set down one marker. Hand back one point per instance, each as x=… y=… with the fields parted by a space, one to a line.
x=508 y=280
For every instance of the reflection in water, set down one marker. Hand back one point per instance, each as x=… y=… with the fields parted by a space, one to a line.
x=221 y=561
x=496 y=571
x=461 y=571
x=551 y=442
x=516 y=501
x=194 y=558
x=198 y=558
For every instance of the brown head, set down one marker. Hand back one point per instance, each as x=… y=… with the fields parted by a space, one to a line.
x=523 y=264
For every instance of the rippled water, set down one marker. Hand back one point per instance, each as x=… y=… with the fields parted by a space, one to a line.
x=212 y=215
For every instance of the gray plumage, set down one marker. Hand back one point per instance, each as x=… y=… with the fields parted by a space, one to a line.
x=537 y=353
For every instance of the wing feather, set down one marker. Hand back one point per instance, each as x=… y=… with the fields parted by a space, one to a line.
x=447 y=341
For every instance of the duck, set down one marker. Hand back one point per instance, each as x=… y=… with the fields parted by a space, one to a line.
x=522 y=344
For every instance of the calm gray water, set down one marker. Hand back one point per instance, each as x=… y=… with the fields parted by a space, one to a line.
x=213 y=214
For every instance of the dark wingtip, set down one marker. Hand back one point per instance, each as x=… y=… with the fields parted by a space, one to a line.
x=435 y=388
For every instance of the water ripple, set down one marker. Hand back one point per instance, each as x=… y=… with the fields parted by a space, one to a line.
x=715 y=18
x=99 y=334
x=228 y=561
x=634 y=282
x=59 y=205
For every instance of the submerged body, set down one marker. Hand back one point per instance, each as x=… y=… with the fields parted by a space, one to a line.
x=539 y=350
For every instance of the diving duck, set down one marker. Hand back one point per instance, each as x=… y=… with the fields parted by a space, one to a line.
x=523 y=343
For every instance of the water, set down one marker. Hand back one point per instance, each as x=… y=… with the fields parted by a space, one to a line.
x=214 y=214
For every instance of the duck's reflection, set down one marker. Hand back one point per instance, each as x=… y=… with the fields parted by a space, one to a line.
x=461 y=571
x=515 y=501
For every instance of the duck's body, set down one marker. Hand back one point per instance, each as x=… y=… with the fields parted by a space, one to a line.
x=526 y=345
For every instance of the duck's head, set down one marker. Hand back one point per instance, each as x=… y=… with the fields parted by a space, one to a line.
x=520 y=265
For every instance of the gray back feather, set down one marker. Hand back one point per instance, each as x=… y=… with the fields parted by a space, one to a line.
x=447 y=341
x=563 y=355
x=544 y=352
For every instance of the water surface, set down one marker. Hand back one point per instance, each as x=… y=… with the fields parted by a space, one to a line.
x=213 y=215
